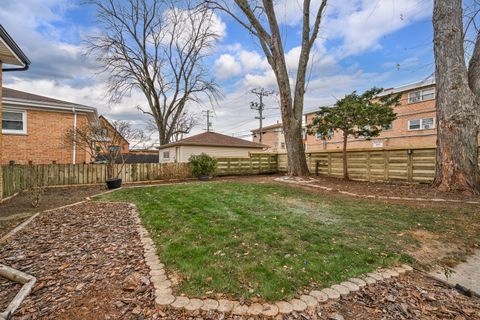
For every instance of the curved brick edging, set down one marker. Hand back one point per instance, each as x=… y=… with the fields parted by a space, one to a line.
x=164 y=295
x=308 y=184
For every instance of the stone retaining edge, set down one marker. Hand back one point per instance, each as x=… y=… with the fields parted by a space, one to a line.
x=164 y=294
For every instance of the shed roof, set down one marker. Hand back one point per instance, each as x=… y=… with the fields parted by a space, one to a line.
x=214 y=139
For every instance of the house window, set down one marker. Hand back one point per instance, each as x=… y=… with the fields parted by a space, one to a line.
x=166 y=154
x=14 y=122
x=421 y=124
x=421 y=95
x=282 y=145
x=114 y=149
x=329 y=135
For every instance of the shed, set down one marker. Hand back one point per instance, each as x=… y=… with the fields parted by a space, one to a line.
x=214 y=144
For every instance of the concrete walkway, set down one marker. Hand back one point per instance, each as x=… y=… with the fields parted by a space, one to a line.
x=466 y=274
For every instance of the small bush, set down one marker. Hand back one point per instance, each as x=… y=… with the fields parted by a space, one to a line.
x=202 y=164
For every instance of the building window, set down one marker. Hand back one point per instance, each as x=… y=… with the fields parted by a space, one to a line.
x=421 y=124
x=421 y=95
x=166 y=154
x=282 y=145
x=14 y=122
x=329 y=135
x=113 y=149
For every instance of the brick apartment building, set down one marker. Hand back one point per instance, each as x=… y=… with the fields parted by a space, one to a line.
x=272 y=136
x=34 y=128
x=414 y=126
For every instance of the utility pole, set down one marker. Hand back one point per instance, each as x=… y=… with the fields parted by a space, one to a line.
x=209 y=124
x=259 y=106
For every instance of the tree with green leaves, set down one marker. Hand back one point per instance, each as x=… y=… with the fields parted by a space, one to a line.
x=364 y=115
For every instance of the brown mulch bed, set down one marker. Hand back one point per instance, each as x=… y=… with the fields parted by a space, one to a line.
x=88 y=261
x=17 y=209
x=392 y=189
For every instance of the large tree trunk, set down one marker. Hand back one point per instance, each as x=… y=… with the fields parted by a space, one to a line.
x=457 y=153
x=344 y=151
x=297 y=163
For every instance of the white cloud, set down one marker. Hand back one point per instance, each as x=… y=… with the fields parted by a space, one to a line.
x=360 y=24
x=252 y=60
x=227 y=67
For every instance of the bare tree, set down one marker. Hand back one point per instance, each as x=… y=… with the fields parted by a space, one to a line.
x=259 y=18
x=158 y=48
x=458 y=100
x=106 y=141
x=183 y=126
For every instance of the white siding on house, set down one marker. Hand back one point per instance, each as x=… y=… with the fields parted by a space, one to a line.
x=183 y=153
x=171 y=155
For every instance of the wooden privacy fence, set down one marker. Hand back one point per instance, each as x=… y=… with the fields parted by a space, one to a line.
x=22 y=177
x=408 y=165
x=257 y=163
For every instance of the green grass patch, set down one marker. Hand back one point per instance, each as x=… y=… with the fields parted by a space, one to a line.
x=272 y=241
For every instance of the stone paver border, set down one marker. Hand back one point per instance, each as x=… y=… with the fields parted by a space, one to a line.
x=164 y=294
x=308 y=183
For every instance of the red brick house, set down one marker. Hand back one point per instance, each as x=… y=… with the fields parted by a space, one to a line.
x=34 y=127
x=414 y=126
x=272 y=136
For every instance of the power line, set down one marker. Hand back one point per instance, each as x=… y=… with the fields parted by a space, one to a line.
x=259 y=106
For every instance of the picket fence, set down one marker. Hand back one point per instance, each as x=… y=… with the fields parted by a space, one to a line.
x=23 y=177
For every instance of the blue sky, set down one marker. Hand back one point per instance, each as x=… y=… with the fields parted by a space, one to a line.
x=362 y=43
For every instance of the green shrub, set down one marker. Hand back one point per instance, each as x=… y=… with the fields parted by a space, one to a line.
x=202 y=164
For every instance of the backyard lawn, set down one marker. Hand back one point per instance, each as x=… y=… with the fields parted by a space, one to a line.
x=271 y=241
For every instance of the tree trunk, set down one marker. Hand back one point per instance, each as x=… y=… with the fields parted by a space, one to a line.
x=297 y=163
x=456 y=108
x=344 y=152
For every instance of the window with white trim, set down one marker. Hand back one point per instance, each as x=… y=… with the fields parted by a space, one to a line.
x=421 y=124
x=166 y=154
x=421 y=95
x=14 y=122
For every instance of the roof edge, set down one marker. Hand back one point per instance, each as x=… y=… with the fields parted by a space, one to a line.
x=12 y=45
x=175 y=144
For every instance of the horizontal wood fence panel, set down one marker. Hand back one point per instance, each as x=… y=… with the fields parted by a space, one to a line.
x=17 y=178
x=416 y=166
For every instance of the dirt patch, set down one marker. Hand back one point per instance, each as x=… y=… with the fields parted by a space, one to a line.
x=392 y=189
x=88 y=261
x=7 y=225
x=430 y=249
x=51 y=198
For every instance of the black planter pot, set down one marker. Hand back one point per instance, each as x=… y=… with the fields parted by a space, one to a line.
x=203 y=178
x=114 y=183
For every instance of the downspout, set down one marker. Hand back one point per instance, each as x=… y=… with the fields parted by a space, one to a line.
x=74 y=135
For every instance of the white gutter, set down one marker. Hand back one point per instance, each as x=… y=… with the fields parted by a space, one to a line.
x=47 y=105
x=74 y=135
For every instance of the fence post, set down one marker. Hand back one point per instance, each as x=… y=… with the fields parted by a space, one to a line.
x=368 y=166
x=329 y=160
x=386 y=165
x=410 y=165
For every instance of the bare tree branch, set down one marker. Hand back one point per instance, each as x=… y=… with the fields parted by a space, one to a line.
x=259 y=18
x=159 y=49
